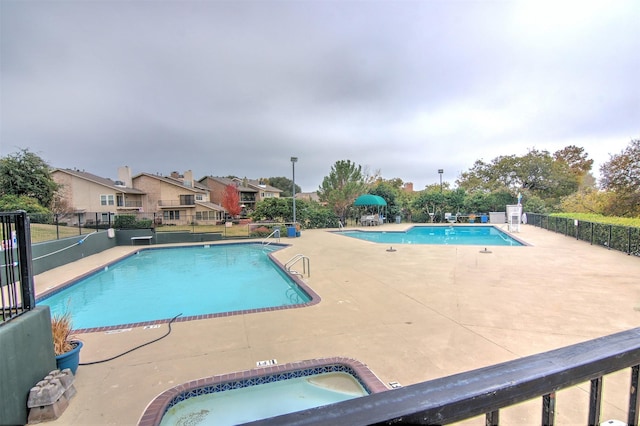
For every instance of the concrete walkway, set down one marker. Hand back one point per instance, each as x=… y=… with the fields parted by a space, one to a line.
x=411 y=315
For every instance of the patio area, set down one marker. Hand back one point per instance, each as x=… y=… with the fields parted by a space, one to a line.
x=413 y=314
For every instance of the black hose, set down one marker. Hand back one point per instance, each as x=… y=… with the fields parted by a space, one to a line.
x=137 y=347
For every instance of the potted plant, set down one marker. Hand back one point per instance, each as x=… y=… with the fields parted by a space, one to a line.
x=67 y=350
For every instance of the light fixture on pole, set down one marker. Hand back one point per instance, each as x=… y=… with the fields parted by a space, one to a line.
x=293 y=165
x=441 y=171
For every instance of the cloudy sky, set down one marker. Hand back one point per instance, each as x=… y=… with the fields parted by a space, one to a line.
x=238 y=87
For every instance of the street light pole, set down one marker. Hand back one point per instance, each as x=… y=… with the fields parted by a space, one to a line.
x=441 y=171
x=293 y=165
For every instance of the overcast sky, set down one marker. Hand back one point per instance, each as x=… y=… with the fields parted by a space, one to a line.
x=238 y=87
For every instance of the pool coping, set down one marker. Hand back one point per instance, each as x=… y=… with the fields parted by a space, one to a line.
x=315 y=297
x=155 y=410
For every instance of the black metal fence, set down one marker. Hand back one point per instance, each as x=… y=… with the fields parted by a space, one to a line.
x=17 y=293
x=614 y=237
x=488 y=390
x=57 y=226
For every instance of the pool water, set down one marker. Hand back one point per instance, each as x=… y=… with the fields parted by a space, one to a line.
x=447 y=235
x=266 y=400
x=158 y=284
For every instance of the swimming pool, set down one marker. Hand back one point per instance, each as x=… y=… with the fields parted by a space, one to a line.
x=443 y=234
x=261 y=393
x=155 y=285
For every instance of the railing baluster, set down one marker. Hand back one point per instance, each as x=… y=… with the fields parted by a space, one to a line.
x=548 y=409
x=492 y=418
x=632 y=419
x=595 y=398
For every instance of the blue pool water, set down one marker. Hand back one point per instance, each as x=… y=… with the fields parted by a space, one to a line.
x=158 y=284
x=449 y=235
x=265 y=400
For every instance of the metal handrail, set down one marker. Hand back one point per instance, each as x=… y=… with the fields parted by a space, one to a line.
x=275 y=234
x=306 y=266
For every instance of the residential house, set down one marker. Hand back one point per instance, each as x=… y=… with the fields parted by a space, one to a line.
x=264 y=191
x=308 y=196
x=250 y=191
x=178 y=199
x=92 y=198
x=218 y=186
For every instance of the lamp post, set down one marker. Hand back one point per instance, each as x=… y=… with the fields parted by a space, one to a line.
x=441 y=171
x=293 y=165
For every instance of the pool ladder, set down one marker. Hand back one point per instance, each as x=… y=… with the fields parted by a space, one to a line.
x=306 y=267
x=276 y=237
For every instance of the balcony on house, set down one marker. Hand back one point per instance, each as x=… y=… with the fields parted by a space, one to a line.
x=129 y=204
x=184 y=201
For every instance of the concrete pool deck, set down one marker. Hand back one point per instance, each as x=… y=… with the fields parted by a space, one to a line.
x=413 y=314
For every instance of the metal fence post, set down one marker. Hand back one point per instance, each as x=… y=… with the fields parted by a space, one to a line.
x=23 y=238
x=56 y=218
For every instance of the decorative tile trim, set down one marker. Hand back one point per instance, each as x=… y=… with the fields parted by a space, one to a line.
x=315 y=298
x=152 y=415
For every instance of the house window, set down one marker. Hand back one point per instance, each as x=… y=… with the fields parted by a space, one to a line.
x=171 y=214
x=187 y=200
x=104 y=217
x=107 y=200
x=199 y=197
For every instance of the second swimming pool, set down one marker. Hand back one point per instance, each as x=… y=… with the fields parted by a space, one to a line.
x=158 y=284
x=448 y=235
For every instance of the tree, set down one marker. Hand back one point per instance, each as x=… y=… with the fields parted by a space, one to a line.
x=343 y=185
x=537 y=173
x=621 y=175
x=274 y=209
x=389 y=190
x=309 y=213
x=578 y=163
x=21 y=202
x=26 y=174
x=428 y=205
x=588 y=200
x=284 y=184
x=231 y=200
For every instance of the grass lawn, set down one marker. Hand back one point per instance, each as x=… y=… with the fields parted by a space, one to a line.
x=41 y=232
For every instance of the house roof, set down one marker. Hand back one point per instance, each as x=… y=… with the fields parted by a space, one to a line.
x=197 y=187
x=262 y=187
x=211 y=206
x=228 y=181
x=99 y=181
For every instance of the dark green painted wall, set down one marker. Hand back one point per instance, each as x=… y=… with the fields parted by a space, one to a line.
x=26 y=357
x=52 y=254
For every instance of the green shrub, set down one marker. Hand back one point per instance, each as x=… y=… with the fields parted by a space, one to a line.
x=127 y=221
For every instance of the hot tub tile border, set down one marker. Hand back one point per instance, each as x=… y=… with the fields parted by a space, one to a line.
x=152 y=415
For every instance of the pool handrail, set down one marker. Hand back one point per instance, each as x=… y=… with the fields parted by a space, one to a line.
x=276 y=236
x=306 y=266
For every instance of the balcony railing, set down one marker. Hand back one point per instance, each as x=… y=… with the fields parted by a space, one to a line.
x=130 y=204
x=177 y=203
x=488 y=390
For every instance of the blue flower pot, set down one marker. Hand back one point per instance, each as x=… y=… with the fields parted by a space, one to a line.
x=70 y=359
